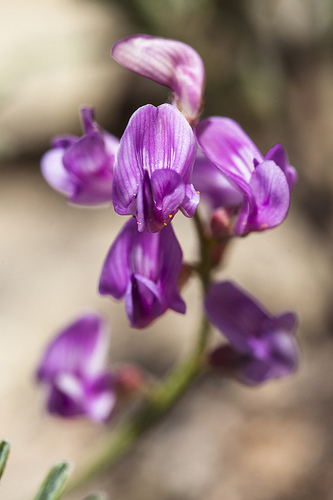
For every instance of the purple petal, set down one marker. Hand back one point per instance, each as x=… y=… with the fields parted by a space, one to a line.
x=271 y=197
x=64 y=141
x=143 y=301
x=61 y=404
x=145 y=213
x=280 y=360
x=80 y=349
x=88 y=120
x=94 y=190
x=54 y=172
x=236 y=314
x=287 y=321
x=214 y=186
x=228 y=147
x=191 y=201
x=168 y=192
x=87 y=156
x=168 y=62
x=154 y=139
x=262 y=346
x=279 y=156
x=116 y=269
x=100 y=397
x=172 y=263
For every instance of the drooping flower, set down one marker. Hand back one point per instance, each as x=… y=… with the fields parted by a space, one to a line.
x=143 y=268
x=168 y=62
x=262 y=346
x=82 y=168
x=265 y=181
x=73 y=370
x=153 y=169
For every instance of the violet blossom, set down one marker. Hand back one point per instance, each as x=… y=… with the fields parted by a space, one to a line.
x=169 y=62
x=153 y=169
x=264 y=181
x=73 y=370
x=262 y=346
x=143 y=268
x=82 y=168
x=258 y=186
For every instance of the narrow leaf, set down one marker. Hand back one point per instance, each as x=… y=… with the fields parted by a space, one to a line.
x=54 y=482
x=95 y=496
x=4 y=451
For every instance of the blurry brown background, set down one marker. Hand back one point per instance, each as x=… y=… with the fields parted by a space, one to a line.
x=269 y=65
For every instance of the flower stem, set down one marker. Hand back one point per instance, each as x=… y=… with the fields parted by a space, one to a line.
x=163 y=398
x=160 y=401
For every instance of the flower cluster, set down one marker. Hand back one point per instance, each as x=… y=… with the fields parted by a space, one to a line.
x=164 y=160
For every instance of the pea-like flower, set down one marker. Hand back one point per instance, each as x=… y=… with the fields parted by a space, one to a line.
x=153 y=171
x=73 y=370
x=264 y=181
x=143 y=268
x=168 y=62
x=262 y=346
x=82 y=168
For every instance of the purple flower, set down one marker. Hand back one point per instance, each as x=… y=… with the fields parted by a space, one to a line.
x=169 y=62
x=152 y=174
x=82 y=168
x=73 y=369
x=217 y=189
x=261 y=347
x=144 y=268
x=265 y=181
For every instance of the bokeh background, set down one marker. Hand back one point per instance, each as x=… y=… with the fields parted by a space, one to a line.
x=269 y=65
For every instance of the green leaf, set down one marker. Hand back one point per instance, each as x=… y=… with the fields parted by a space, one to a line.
x=95 y=496
x=4 y=451
x=54 y=482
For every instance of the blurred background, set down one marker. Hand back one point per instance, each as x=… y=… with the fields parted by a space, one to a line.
x=269 y=65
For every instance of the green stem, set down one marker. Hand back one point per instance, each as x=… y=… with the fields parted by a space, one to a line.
x=167 y=393
x=161 y=401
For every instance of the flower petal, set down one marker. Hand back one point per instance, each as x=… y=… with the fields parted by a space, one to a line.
x=54 y=172
x=168 y=62
x=168 y=193
x=80 y=349
x=85 y=157
x=116 y=269
x=154 y=139
x=143 y=301
x=228 y=147
x=271 y=197
x=100 y=398
x=172 y=258
x=62 y=404
x=236 y=314
x=279 y=156
x=214 y=186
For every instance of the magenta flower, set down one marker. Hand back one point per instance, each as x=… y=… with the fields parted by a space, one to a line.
x=73 y=370
x=262 y=346
x=82 y=168
x=169 y=62
x=153 y=170
x=143 y=268
x=265 y=181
